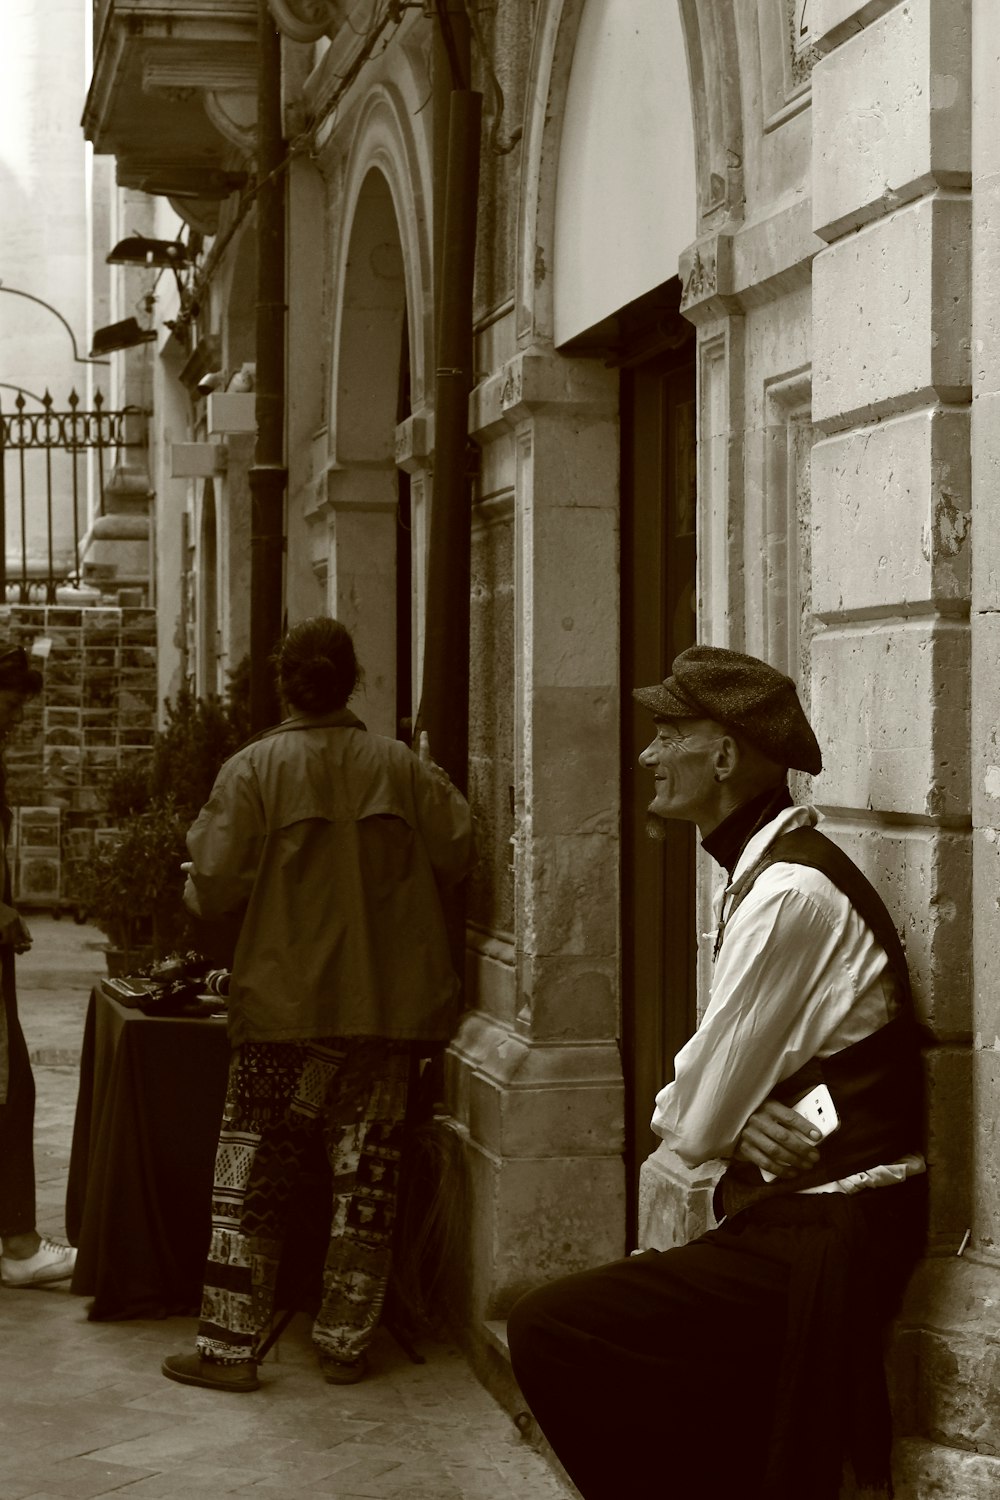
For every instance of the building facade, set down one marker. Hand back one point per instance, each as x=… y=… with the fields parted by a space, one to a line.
x=734 y=379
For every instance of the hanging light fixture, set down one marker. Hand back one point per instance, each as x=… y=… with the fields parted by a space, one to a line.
x=140 y=250
x=124 y=335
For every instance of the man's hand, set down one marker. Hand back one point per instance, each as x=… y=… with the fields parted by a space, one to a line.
x=778 y=1140
x=13 y=930
x=427 y=760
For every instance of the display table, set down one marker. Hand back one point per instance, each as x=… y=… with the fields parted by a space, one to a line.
x=138 y=1199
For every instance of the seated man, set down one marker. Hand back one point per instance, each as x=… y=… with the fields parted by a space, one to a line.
x=748 y=1363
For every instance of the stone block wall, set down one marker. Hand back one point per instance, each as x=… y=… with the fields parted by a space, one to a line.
x=891 y=494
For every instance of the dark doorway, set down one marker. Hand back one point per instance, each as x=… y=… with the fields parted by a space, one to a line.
x=658 y=556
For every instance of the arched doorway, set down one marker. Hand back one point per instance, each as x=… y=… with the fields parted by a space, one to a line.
x=625 y=209
x=369 y=572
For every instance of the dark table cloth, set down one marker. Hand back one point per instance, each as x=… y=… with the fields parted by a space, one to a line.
x=138 y=1202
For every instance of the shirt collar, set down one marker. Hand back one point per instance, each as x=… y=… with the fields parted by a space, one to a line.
x=726 y=842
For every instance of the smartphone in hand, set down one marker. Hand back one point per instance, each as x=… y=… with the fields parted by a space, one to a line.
x=819 y=1109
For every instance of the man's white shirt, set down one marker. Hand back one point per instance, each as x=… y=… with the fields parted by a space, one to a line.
x=799 y=975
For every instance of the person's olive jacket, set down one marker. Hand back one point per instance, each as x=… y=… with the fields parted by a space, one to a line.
x=334 y=842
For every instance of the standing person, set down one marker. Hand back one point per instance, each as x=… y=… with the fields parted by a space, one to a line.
x=749 y=1362
x=333 y=843
x=28 y=1259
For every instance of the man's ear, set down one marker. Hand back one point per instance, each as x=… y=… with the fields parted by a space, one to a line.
x=727 y=757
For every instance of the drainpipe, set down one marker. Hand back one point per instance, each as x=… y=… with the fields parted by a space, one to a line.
x=444 y=699
x=268 y=476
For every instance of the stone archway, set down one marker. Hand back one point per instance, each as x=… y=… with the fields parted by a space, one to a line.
x=373 y=499
x=366 y=511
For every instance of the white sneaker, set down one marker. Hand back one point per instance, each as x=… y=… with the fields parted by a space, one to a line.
x=52 y=1261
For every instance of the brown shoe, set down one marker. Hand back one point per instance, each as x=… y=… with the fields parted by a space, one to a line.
x=191 y=1369
x=342 y=1371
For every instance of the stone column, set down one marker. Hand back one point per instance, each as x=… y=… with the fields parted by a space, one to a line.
x=535 y=1081
x=359 y=505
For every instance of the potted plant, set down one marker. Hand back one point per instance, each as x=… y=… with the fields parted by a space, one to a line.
x=132 y=887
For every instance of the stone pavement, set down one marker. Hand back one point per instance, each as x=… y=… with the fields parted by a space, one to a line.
x=84 y=1410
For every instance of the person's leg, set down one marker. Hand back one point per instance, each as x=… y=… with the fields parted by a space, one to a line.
x=27 y=1259
x=260 y=1153
x=658 y=1370
x=17 y=1159
x=363 y=1130
x=257 y=1162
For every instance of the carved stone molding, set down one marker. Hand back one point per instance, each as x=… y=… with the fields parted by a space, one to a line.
x=308 y=20
x=537 y=379
x=706 y=271
x=184 y=67
x=234 y=116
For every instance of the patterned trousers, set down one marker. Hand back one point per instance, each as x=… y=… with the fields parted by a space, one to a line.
x=351 y=1092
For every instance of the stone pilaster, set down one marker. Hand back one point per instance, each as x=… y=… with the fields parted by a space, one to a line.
x=535 y=1081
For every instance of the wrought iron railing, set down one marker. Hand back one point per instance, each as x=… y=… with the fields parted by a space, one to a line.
x=35 y=440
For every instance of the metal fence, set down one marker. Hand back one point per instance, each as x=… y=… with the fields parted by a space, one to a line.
x=50 y=452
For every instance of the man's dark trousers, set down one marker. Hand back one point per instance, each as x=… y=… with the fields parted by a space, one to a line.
x=665 y=1370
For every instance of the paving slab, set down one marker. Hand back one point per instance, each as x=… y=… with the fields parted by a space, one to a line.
x=85 y=1412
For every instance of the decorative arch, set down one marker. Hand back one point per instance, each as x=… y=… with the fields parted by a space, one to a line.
x=375 y=500
x=384 y=141
x=710 y=36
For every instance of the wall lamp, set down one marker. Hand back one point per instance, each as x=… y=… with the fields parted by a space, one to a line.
x=139 y=250
x=124 y=335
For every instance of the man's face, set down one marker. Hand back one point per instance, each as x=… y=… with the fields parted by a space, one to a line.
x=681 y=756
x=11 y=711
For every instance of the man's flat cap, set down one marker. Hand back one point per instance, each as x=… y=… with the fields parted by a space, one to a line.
x=744 y=694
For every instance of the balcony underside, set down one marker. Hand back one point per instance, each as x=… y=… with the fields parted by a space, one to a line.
x=172 y=93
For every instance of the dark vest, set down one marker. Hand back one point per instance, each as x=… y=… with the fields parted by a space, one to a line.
x=877 y=1083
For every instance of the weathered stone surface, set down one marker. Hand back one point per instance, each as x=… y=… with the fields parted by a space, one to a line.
x=986 y=1193
x=901 y=285
x=891 y=710
x=925 y=1471
x=986 y=720
x=573 y=623
x=526 y=1099
x=566 y=998
x=569 y=884
x=891 y=115
x=574 y=742
x=891 y=516
x=835 y=21
x=986 y=888
x=538 y=1219
x=490 y=891
x=490 y=977
x=985 y=486
x=675 y=1203
x=951 y=1310
x=581 y=1117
